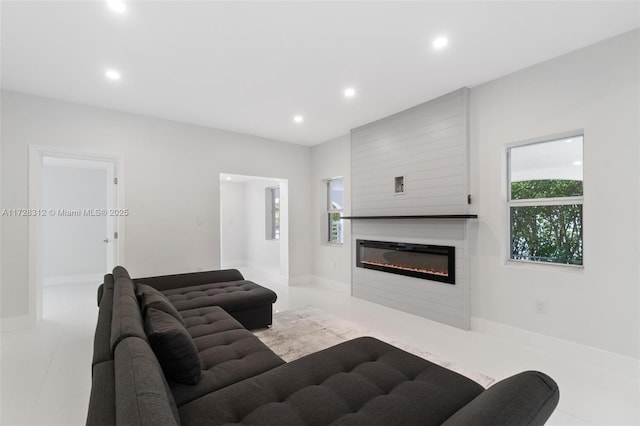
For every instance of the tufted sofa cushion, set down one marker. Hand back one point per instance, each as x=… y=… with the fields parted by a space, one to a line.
x=228 y=353
x=231 y=296
x=359 y=382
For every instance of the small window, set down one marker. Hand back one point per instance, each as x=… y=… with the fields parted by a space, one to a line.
x=545 y=199
x=273 y=213
x=335 y=208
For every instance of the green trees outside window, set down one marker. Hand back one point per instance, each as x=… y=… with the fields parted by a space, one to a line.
x=335 y=228
x=335 y=202
x=546 y=233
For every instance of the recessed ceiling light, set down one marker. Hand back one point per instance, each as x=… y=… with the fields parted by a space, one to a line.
x=569 y=140
x=440 y=42
x=298 y=119
x=117 y=5
x=112 y=74
x=577 y=163
x=228 y=177
x=349 y=92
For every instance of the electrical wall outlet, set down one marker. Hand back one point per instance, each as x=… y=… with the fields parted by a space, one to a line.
x=540 y=307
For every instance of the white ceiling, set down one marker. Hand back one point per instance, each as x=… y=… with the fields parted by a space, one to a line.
x=251 y=66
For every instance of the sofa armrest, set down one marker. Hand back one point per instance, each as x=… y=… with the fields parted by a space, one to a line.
x=168 y=282
x=102 y=400
x=107 y=284
x=100 y=293
x=527 y=398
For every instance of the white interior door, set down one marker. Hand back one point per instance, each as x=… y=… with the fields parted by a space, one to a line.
x=78 y=231
x=111 y=218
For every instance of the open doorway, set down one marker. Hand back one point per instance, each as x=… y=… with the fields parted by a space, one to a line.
x=76 y=239
x=254 y=226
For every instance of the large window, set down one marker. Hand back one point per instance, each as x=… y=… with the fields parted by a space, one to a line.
x=545 y=198
x=273 y=213
x=335 y=207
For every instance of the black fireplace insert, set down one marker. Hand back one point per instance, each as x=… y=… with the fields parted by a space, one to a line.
x=436 y=263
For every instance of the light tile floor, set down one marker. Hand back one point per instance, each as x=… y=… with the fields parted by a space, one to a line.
x=45 y=371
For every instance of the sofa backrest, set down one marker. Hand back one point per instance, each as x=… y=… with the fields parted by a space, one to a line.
x=166 y=282
x=101 y=346
x=126 y=318
x=107 y=284
x=102 y=404
x=142 y=395
x=120 y=272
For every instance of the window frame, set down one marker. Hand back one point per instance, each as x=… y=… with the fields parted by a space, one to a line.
x=330 y=210
x=557 y=201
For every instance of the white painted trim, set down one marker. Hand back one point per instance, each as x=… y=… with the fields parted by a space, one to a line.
x=337 y=286
x=229 y=264
x=112 y=204
x=36 y=154
x=299 y=280
x=594 y=357
x=17 y=323
x=73 y=279
x=508 y=202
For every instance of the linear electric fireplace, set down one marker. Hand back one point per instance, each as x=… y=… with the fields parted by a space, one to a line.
x=429 y=262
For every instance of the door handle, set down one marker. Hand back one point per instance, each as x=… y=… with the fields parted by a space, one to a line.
x=106 y=240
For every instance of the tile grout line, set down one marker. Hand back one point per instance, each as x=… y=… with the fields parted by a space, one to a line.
x=576 y=417
x=44 y=379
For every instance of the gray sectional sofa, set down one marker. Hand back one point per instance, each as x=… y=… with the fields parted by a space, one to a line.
x=175 y=350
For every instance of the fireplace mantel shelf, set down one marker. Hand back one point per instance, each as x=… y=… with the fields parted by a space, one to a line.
x=429 y=216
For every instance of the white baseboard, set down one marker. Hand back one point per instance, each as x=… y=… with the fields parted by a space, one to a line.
x=17 y=323
x=597 y=358
x=73 y=279
x=333 y=285
x=227 y=264
x=300 y=280
x=315 y=280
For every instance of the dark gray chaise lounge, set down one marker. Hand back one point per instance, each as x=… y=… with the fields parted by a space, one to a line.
x=242 y=382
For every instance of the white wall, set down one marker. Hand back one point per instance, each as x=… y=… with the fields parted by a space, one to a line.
x=262 y=254
x=171 y=178
x=330 y=159
x=233 y=201
x=72 y=245
x=595 y=89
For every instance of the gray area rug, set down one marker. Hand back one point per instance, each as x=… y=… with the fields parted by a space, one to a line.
x=299 y=332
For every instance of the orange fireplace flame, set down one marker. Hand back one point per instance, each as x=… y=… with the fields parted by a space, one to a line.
x=408 y=268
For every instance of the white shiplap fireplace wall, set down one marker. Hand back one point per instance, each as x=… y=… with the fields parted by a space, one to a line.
x=429 y=146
